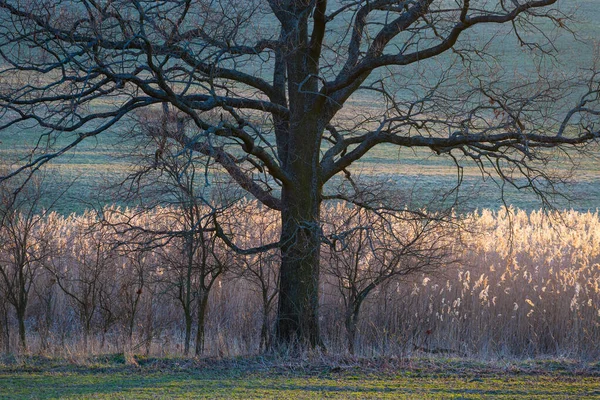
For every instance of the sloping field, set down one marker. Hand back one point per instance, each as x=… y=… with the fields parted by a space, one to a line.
x=99 y=162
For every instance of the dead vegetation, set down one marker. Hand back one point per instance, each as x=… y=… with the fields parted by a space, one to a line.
x=520 y=285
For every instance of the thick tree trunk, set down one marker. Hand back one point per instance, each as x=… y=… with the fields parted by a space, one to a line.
x=298 y=316
x=297 y=319
x=299 y=145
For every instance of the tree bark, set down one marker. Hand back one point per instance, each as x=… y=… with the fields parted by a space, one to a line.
x=299 y=144
x=298 y=318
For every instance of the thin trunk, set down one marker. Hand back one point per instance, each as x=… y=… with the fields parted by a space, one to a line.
x=87 y=327
x=21 y=304
x=3 y=340
x=103 y=338
x=131 y=323
x=265 y=340
x=352 y=314
x=6 y=334
x=47 y=324
x=85 y=338
x=149 y=324
x=6 y=331
x=264 y=334
x=188 y=332
x=351 y=324
x=202 y=305
x=130 y=333
x=22 y=331
x=188 y=293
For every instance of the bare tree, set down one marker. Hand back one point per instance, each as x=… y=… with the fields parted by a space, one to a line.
x=369 y=248
x=133 y=284
x=174 y=178
x=82 y=269
x=23 y=246
x=45 y=292
x=264 y=84
x=256 y=229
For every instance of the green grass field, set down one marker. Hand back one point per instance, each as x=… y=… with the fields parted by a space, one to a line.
x=111 y=377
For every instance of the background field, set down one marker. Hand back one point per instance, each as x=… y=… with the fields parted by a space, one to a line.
x=99 y=162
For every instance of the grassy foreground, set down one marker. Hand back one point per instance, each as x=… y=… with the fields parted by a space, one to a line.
x=114 y=377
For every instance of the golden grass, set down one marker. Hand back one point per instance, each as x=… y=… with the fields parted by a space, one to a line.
x=526 y=285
